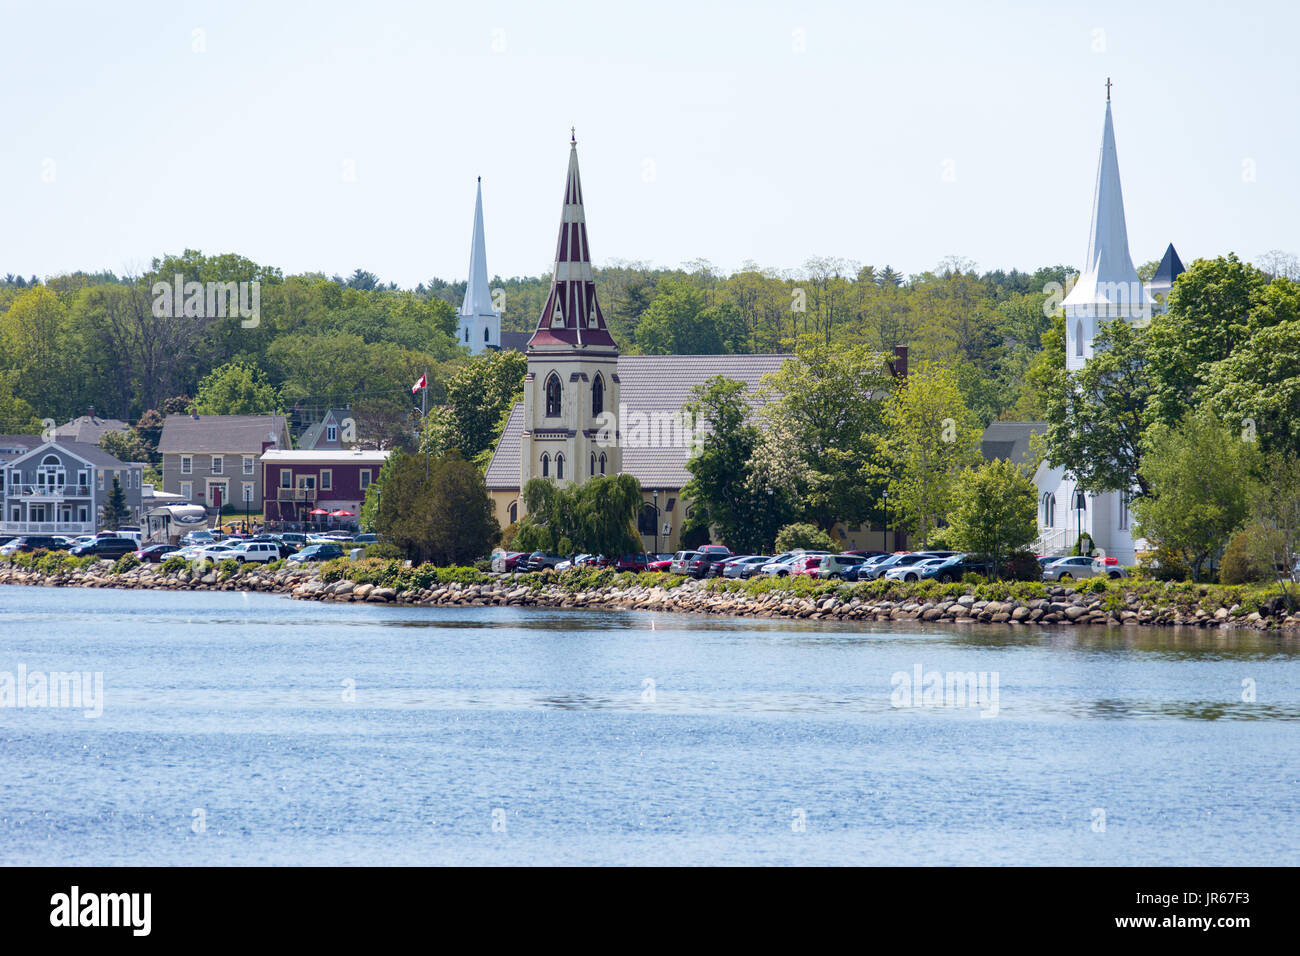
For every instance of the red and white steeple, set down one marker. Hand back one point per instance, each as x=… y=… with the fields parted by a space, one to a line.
x=572 y=317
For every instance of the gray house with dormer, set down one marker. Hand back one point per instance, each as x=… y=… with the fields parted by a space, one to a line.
x=212 y=460
x=59 y=487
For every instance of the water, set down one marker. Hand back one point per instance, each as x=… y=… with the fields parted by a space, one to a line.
x=517 y=736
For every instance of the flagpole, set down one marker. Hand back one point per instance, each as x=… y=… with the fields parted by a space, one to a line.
x=424 y=420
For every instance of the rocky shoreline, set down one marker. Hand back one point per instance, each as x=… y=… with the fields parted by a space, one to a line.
x=1058 y=606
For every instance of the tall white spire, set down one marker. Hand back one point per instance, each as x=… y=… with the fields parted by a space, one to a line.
x=1108 y=283
x=479 y=323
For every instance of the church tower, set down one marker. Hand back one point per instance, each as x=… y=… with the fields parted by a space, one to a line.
x=1108 y=286
x=571 y=391
x=478 y=324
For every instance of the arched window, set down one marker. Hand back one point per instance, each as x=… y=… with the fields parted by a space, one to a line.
x=514 y=511
x=1123 y=512
x=559 y=466
x=598 y=395
x=1078 y=337
x=467 y=333
x=593 y=464
x=602 y=463
x=546 y=466
x=552 y=395
x=1049 y=510
x=486 y=336
x=557 y=319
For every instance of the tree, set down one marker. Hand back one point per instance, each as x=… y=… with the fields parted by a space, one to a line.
x=596 y=517
x=1258 y=387
x=1198 y=474
x=995 y=512
x=16 y=416
x=368 y=519
x=721 y=489
x=1275 y=503
x=446 y=518
x=1098 y=415
x=821 y=431
x=803 y=535
x=236 y=389
x=114 y=513
x=930 y=437
x=478 y=395
x=124 y=446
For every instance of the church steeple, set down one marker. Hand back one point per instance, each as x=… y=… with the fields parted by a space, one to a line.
x=571 y=317
x=1108 y=283
x=478 y=325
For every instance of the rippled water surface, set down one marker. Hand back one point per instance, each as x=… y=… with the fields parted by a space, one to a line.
x=246 y=728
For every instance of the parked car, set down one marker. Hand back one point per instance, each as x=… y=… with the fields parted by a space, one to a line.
x=632 y=562
x=680 y=561
x=503 y=561
x=745 y=567
x=198 y=536
x=217 y=551
x=900 y=559
x=30 y=542
x=835 y=566
x=295 y=538
x=105 y=548
x=661 y=563
x=317 y=552
x=707 y=559
x=540 y=560
x=263 y=551
x=914 y=571
x=1081 y=566
x=155 y=553
x=786 y=564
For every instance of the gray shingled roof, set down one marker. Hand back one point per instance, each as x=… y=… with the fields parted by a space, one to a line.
x=11 y=446
x=1009 y=440
x=219 y=433
x=89 y=429
x=648 y=383
x=515 y=341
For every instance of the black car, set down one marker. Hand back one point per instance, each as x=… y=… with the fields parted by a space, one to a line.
x=105 y=548
x=31 y=542
x=318 y=552
x=540 y=561
x=708 y=560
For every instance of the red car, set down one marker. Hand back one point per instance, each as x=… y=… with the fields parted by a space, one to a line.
x=807 y=565
x=632 y=562
x=659 y=565
x=154 y=553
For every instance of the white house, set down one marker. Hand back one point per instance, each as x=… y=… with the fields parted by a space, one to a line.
x=1108 y=288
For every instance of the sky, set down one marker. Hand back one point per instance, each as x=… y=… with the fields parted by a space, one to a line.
x=332 y=136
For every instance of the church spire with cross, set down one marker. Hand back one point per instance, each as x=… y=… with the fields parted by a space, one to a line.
x=1108 y=285
x=478 y=324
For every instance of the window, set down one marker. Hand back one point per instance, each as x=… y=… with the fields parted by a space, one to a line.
x=546 y=466
x=552 y=395
x=514 y=511
x=187 y=465
x=557 y=319
x=83 y=514
x=331 y=433
x=559 y=466
x=286 y=477
x=1123 y=512
x=83 y=479
x=327 y=479
x=365 y=478
x=598 y=395
x=218 y=465
x=99 y=479
x=1078 y=337
x=1049 y=510
x=248 y=464
x=602 y=463
x=187 y=490
x=467 y=334
x=246 y=492
x=593 y=464
x=645 y=521
x=486 y=336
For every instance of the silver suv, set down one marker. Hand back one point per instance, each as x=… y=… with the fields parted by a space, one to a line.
x=1079 y=566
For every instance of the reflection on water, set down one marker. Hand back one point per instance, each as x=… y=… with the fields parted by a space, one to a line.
x=339 y=734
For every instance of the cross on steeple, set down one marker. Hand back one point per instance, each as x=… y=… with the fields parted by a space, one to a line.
x=573 y=135
x=1108 y=89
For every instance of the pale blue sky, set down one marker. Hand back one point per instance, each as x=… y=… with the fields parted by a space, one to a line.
x=705 y=130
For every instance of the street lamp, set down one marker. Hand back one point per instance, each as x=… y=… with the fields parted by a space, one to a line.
x=655 y=495
x=771 y=519
x=885 y=495
x=1080 y=506
x=248 y=508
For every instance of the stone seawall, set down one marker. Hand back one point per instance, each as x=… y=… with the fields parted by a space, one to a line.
x=1058 y=606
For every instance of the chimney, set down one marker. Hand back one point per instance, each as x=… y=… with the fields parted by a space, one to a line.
x=899 y=365
x=92 y=413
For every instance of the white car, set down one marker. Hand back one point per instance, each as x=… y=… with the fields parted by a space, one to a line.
x=912 y=572
x=216 y=552
x=263 y=551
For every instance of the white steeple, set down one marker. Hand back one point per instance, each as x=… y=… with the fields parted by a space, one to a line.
x=1108 y=285
x=479 y=324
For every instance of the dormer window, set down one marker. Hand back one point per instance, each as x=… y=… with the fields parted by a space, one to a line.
x=591 y=317
x=557 y=319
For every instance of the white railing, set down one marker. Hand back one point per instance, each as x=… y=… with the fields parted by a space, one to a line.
x=48 y=527
x=1056 y=540
x=50 y=491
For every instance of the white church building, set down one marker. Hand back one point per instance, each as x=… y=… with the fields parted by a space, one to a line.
x=478 y=323
x=1107 y=289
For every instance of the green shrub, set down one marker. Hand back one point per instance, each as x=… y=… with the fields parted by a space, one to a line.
x=802 y=535
x=385 y=550
x=125 y=563
x=1251 y=555
x=227 y=569
x=171 y=564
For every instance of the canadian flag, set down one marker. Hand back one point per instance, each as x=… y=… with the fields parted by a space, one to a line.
x=422 y=383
